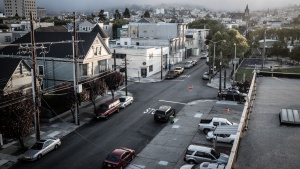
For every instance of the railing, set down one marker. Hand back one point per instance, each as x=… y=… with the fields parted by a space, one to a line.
x=243 y=125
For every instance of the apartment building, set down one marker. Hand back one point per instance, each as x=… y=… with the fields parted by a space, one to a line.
x=20 y=7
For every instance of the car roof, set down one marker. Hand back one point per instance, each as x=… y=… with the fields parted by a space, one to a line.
x=212 y=165
x=118 y=152
x=164 y=108
x=197 y=147
x=110 y=102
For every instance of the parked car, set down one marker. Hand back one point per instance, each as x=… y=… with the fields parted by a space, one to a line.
x=204 y=165
x=207 y=125
x=179 y=70
x=171 y=74
x=196 y=154
x=118 y=158
x=225 y=138
x=107 y=108
x=41 y=148
x=163 y=113
x=233 y=95
x=188 y=64
x=203 y=56
x=125 y=101
x=205 y=76
x=194 y=62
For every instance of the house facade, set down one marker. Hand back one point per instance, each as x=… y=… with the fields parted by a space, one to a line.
x=15 y=76
x=55 y=61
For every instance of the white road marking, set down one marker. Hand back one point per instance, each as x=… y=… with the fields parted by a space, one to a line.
x=150 y=111
x=163 y=162
x=172 y=102
x=135 y=166
x=175 y=126
x=185 y=76
x=198 y=115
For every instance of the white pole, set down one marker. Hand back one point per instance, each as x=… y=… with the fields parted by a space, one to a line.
x=74 y=81
x=33 y=96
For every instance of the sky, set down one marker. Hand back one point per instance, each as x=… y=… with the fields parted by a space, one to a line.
x=212 y=5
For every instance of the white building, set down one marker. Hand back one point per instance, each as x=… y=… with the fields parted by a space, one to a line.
x=142 y=61
x=160 y=11
x=20 y=7
x=41 y=12
x=160 y=34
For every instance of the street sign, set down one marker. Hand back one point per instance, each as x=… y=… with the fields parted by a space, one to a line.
x=190 y=87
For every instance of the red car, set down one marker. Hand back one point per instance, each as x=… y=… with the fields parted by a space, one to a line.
x=119 y=158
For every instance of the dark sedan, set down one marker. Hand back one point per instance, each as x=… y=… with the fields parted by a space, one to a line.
x=171 y=74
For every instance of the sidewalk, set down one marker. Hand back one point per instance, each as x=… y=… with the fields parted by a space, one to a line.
x=9 y=153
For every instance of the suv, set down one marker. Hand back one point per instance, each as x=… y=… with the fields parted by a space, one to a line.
x=163 y=113
x=196 y=154
x=107 y=108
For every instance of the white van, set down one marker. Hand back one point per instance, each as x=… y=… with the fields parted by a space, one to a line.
x=196 y=154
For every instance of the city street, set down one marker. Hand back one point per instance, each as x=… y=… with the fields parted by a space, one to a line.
x=133 y=127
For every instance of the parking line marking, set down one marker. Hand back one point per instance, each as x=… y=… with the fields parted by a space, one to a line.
x=172 y=102
x=53 y=134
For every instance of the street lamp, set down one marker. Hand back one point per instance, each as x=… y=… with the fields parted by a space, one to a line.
x=233 y=77
x=214 y=53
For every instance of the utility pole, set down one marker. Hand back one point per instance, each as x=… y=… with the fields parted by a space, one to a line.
x=75 y=67
x=126 y=92
x=35 y=89
x=161 y=66
x=264 y=50
x=220 y=81
x=115 y=64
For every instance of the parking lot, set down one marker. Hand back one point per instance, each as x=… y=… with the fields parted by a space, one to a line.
x=167 y=149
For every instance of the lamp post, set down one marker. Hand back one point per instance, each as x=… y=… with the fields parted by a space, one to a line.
x=214 y=54
x=233 y=77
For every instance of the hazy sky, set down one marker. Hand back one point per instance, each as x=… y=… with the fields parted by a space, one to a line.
x=227 y=5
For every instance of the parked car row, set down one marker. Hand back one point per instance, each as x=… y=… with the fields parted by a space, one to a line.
x=112 y=106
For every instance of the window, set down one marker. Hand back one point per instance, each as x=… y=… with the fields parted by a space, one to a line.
x=84 y=69
x=99 y=50
x=125 y=43
x=7 y=39
x=41 y=69
x=150 y=68
x=199 y=154
x=189 y=152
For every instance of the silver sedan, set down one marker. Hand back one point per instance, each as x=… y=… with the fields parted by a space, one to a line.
x=125 y=101
x=40 y=148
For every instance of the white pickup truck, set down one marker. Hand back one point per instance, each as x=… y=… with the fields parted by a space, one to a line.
x=207 y=125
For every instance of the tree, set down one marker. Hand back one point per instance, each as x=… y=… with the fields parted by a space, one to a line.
x=126 y=13
x=277 y=48
x=102 y=16
x=117 y=15
x=118 y=24
x=96 y=88
x=295 y=54
x=17 y=117
x=113 y=80
x=146 y=14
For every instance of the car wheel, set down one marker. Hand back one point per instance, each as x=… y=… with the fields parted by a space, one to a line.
x=39 y=156
x=206 y=131
x=118 y=110
x=132 y=157
x=191 y=162
x=121 y=167
x=56 y=147
x=106 y=117
x=212 y=140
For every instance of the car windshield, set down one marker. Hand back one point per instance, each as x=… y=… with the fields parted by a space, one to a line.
x=159 y=112
x=229 y=123
x=112 y=158
x=197 y=166
x=103 y=107
x=178 y=68
x=122 y=99
x=37 y=146
x=215 y=153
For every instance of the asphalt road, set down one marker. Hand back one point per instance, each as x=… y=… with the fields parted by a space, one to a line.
x=133 y=127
